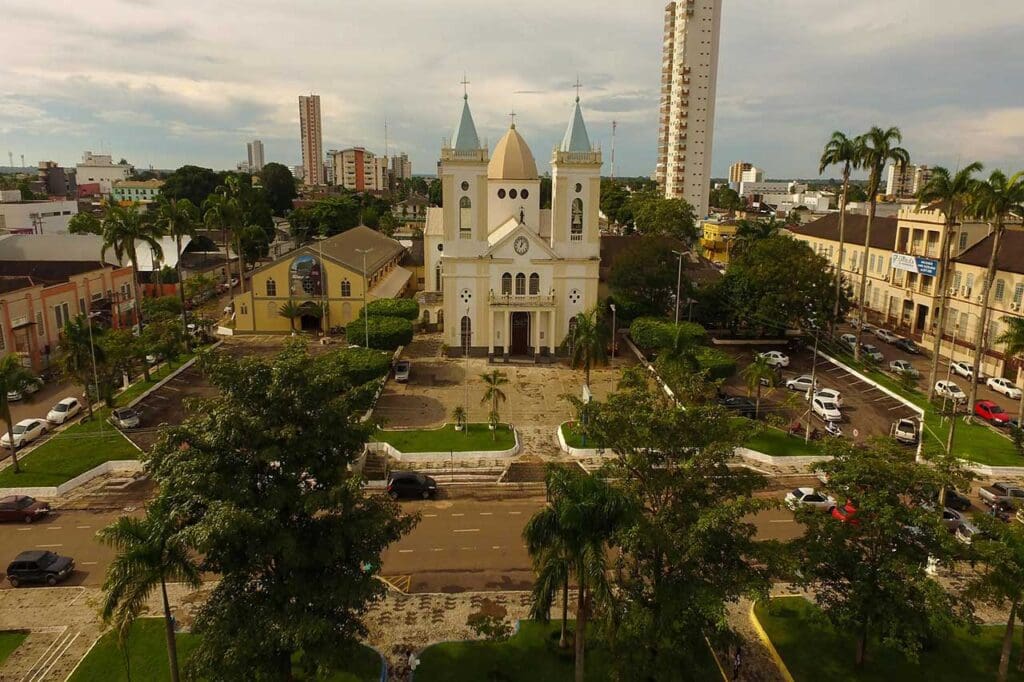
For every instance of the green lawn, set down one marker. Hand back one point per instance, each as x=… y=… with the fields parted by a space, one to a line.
x=141 y=386
x=70 y=453
x=447 y=439
x=530 y=655
x=812 y=650
x=148 y=655
x=778 y=443
x=574 y=436
x=9 y=641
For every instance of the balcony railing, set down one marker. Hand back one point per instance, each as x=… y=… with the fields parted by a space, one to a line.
x=522 y=300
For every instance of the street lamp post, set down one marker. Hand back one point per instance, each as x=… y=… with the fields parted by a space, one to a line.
x=366 y=314
x=679 y=279
x=95 y=374
x=612 y=306
x=814 y=368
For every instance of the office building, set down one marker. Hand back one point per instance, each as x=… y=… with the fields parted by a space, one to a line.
x=360 y=170
x=137 y=191
x=255 y=154
x=689 y=70
x=401 y=167
x=100 y=169
x=311 y=138
x=56 y=180
x=904 y=182
x=736 y=171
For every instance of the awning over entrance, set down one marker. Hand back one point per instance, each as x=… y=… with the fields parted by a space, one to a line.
x=392 y=285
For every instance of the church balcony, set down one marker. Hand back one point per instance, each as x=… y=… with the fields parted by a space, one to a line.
x=522 y=300
x=451 y=154
x=593 y=156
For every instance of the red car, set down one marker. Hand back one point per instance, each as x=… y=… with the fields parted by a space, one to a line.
x=22 y=508
x=992 y=413
x=846 y=513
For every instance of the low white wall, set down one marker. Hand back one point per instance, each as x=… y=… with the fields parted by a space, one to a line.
x=388 y=449
x=801 y=461
x=117 y=465
x=577 y=452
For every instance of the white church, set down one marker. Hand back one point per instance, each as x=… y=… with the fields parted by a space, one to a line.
x=513 y=276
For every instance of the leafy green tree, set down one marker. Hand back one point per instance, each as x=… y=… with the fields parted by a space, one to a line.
x=615 y=202
x=200 y=288
x=434 y=193
x=570 y=539
x=388 y=223
x=868 y=574
x=177 y=218
x=727 y=199
x=149 y=555
x=751 y=231
x=223 y=212
x=875 y=149
x=493 y=381
x=190 y=182
x=79 y=348
x=656 y=215
x=857 y=193
x=14 y=378
x=279 y=185
x=161 y=308
x=643 y=277
x=122 y=351
x=994 y=201
x=1012 y=339
x=291 y=311
x=840 y=150
x=588 y=342
x=124 y=228
x=757 y=374
x=545 y=192
x=163 y=338
x=254 y=244
x=259 y=479
x=84 y=223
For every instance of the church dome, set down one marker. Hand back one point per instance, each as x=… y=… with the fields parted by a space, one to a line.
x=512 y=159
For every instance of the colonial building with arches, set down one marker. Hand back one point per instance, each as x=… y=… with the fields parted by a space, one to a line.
x=508 y=277
x=324 y=280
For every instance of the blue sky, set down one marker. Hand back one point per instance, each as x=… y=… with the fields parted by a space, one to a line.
x=164 y=83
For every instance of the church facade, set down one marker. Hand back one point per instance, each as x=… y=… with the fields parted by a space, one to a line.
x=510 y=275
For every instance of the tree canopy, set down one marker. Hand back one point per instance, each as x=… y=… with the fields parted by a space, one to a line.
x=279 y=185
x=643 y=277
x=190 y=182
x=656 y=215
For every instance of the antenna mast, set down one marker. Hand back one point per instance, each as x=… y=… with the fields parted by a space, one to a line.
x=614 y=125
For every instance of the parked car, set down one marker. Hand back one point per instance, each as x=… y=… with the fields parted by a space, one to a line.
x=887 y=336
x=954 y=500
x=872 y=352
x=951 y=518
x=964 y=370
x=801 y=383
x=22 y=508
x=775 y=358
x=905 y=431
x=30 y=388
x=991 y=412
x=402 y=369
x=849 y=339
x=39 y=566
x=125 y=418
x=857 y=324
x=411 y=484
x=63 y=411
x=743 y=406
x=967 y=533
x=948 y=389
x=826 y=409
x=809 y=497
x=846 y=513
x=25 y=431
x=1001 y=492
x=830 y=394
x=1004 y=386
x=907 y=345
x=903 y=367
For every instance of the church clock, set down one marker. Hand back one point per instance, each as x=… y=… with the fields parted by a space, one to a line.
x=521 y=245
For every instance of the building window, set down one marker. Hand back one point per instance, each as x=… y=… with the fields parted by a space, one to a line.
x=957 y=278
x=970 y=284
x=501 y=193
x=346 y=288
x=465 y=218
x=437 y=277
x=963 y=241
x=1000 y=289
x=534 y=284
x=271 y=287
x=572 y=330
x=520 y=284
x=1018 y=293
x=467 y=332
x=523 y=193
x=506 y=284
x=81 y=306
x=576 y=229
x=61 y=315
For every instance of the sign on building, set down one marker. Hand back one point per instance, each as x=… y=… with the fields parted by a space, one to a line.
x=922 y=266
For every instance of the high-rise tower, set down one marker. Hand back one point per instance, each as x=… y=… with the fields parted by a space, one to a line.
x=689 y=70
x=255 y=153
x=311 y=137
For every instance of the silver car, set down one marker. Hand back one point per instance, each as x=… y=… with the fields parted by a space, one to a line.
x=402 y=369
x=125 y=418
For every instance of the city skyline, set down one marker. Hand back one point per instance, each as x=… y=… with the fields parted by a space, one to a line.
x=787 y=78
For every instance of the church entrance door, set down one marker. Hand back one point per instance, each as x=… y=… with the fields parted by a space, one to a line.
x=520 y=333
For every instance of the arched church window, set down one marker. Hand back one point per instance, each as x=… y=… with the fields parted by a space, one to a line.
x=506 y=284
x=576 y=228
x=437 y=277
x=465 y=218
x=572 y=331
x=534 y=284
x=520 y=284
x=467 y=332
x=271 y=287
x=346 y=288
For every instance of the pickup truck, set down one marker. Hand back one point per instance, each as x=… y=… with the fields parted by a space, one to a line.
x=1002 y=492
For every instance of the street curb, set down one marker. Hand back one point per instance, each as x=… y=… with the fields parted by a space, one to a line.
x=783 y=670
x=174 y=373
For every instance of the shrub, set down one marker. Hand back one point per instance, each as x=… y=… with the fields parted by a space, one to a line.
x=652 y=333
x=392 y=307
x=386 y=333
x=715 y=363
x=362 y=364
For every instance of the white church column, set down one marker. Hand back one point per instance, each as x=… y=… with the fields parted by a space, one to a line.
x=552 y=341
x=535 y=333
x=506 y=340
x=491 y=331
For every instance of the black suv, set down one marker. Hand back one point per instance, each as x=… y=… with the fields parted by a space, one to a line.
x=38 y=566
x=411 y=484
x=745 y=407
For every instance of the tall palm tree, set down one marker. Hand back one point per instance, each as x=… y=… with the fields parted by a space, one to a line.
x=840 y=150
x=493 y=381
x=80 y=346
x=751 y=231
x=953 y=193
x=150 y=554
x=1012 y=339
x=875 y=149
x=123 y=229
x=176 y=217
x=222 y=212
x=994 y=200
x=14 y=377
x=569 y=538
x=232 y=202
x=292 y=311
x=588 y=342
x=756 y=373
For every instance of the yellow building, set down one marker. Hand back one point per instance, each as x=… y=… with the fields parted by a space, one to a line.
x=324 y=275
x=716 y=239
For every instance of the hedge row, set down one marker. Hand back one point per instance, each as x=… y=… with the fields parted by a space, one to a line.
x=392 y=307
x=385 y=333
x=362 y=364
x=653 y=334
x=715 y=363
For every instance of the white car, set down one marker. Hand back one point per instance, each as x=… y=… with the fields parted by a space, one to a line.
x=903 y=367
x=30 y=388
x=830 y=394
x=1004 y=386
x=964 y=370
x=872 y=352
x=887 y=336
x=905 y=431
x=849 y=339
x=25 y=431
x=809 y=497
x=826 y=410
x=64 y=410
x=947 y=389
x=801 y=383
x=775 y=358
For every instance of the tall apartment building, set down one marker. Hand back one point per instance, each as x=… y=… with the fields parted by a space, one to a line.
x=360 y=170
x=737 y=169
x=100 y=169
x=906 y=181
x=255 y=150
x=401 y=167
x=311 y=137
x=689 y=71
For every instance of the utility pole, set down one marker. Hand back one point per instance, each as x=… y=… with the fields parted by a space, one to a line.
x=810 y=391
x=679 y=280
x=614 y=125
x=366 y=286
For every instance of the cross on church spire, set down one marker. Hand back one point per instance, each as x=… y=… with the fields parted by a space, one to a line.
x=577 y=85
x=464 y=82
x=512 y=115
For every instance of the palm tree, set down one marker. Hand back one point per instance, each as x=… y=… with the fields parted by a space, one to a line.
x=994 y=200
x=149 y=555
x=234 y=200
x=757 y=373
x=840 y=150
x=751 y=231
x=1013 y=345
x=682 y=349
x=459 y=415
x=875 y=149
x=569 y=538
x=123 y=229
x=292 y=311
x=588 y=342
x=493 y=381
x=953 y=192
x=222 y=212
x=176 y=217
x=80 y=347
x=14 y=377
